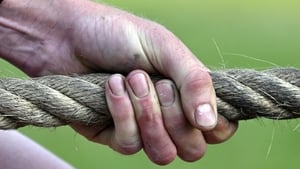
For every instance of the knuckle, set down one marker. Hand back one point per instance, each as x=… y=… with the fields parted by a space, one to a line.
x=192 y=154
x=128 y=148
x=122 y=115
x=165 y=157
x=175 y=123
x=197 y=78
x=148 y=112
x=223 y=131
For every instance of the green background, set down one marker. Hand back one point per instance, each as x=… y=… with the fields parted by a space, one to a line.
x=256 y=34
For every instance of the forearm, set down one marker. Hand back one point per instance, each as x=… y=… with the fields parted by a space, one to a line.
x=18 y=152
x=32 y=31
x=113 y=32
x=36 y=18
x=23 y=35
x=29 y=27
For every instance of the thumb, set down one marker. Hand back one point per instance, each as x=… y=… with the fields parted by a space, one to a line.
x=174 y=60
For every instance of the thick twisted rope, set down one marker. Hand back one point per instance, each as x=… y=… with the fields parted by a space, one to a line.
x=57 y=100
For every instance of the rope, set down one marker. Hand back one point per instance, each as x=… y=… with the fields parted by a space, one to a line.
x=56 y=100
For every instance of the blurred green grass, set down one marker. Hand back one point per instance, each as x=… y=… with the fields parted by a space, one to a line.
x=223 y=34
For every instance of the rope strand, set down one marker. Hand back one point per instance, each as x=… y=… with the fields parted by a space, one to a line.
x=56 y=100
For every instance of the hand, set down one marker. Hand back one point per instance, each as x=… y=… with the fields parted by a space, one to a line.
x=77 y=36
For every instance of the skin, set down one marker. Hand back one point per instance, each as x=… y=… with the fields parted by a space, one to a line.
x=169 y=118
x=19 y=152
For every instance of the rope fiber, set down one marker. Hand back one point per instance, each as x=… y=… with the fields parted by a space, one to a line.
x=56 y=100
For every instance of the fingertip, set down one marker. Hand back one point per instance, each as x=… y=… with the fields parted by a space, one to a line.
x=166 y=158
x=193 y=155
x=199 y=98
x=222 y=132
x=115 y=84
x=138 y=82
x=127 y=147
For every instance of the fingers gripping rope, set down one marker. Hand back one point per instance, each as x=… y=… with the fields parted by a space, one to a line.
x=56 y=100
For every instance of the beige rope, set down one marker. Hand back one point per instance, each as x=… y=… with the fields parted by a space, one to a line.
x=57 y=100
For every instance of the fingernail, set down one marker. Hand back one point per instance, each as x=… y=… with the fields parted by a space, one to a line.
x=165 y=93
x=116 y=85
x=139 y=85
x=205 y=116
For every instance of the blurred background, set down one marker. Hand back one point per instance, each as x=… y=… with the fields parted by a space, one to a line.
x=257 y=34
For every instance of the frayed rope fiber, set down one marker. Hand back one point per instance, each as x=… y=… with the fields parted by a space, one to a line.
x=56 y=100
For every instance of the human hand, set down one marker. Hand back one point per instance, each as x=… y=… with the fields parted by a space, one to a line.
x=77 y=36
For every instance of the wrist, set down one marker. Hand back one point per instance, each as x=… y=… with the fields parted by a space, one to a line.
x=101 y=27
x=29 y=13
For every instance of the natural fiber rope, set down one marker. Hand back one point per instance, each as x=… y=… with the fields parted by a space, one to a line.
x=57 y=100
